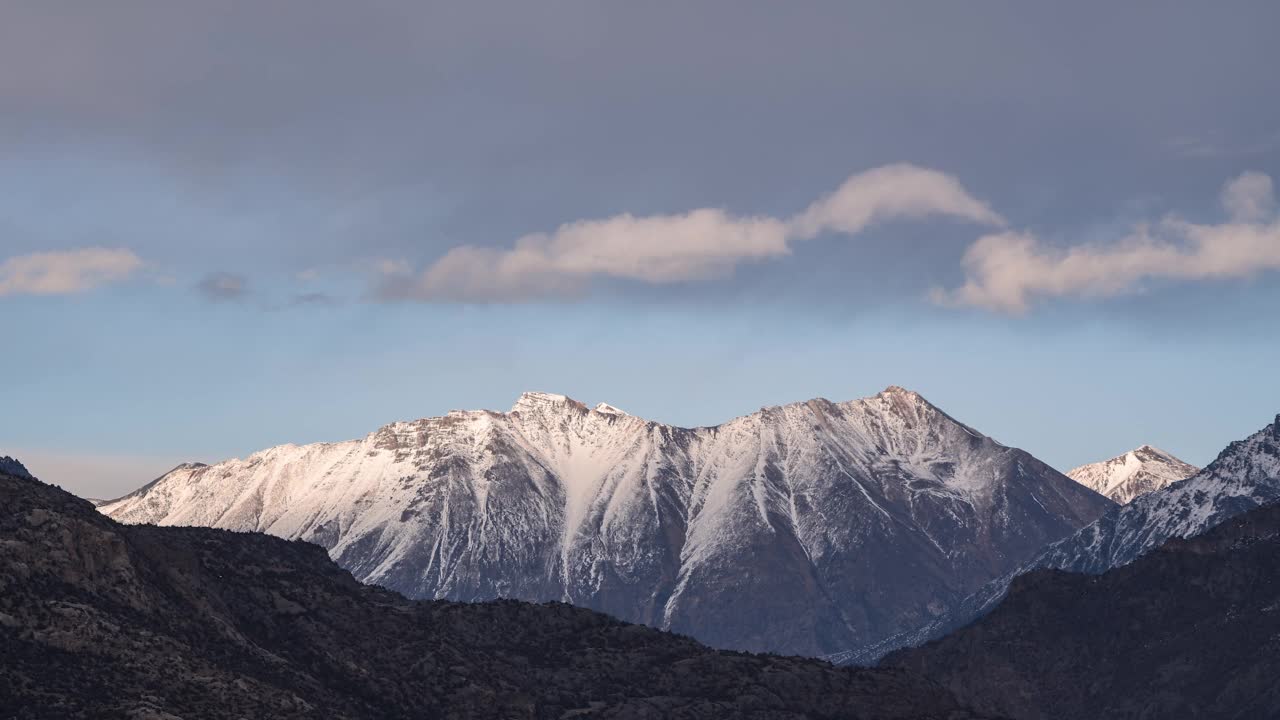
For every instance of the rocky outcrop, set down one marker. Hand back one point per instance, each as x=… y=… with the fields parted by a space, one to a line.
x=1189 y=630
x=1244 y=476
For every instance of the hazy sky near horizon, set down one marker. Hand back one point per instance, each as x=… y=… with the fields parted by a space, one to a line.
x=230 y=225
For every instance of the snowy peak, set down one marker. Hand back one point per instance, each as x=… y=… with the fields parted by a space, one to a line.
x=608 y=409
x=1135 y=473
x=533 y=402
x=907 y=404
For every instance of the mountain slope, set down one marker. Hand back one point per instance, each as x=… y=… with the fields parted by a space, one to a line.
x=1134 y=473
x=1245 y=475
x=99 y=620
x=1191 y=629
x=806 y=528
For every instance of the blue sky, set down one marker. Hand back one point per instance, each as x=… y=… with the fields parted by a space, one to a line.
x=227 y=226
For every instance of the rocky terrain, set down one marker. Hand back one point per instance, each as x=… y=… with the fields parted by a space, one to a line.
x=803 y=529
x=99 y=620
x=1132 y=474
x=10 y=466
x=1191 y=630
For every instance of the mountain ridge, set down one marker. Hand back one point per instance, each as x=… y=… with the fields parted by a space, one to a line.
x=1245 y=475
x=761 y=533
x=1187 y=630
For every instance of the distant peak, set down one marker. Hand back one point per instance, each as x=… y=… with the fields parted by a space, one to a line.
x=608 y=409
x=534 y=400
x=900 y=396
x=188 y=466
x=1149 y=450
x=899 y=391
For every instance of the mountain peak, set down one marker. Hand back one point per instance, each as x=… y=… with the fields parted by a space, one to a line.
x=1142 y=470
x=901 y=395
x=533 y=401
x=608 y=409
x=11 y=466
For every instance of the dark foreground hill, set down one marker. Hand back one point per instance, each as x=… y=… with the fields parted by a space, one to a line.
x=103 y=620
x=1191 y=630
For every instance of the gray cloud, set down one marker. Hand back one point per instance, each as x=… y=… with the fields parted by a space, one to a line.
x=314 y=298
x=477 y=121
x=221 y=286
x=1007 y=271
x=309 y=133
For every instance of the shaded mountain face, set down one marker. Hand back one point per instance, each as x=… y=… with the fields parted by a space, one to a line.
x=1189 y=630
x=1245 y=475
x=1134 y=473
x=802 y=529
x=99 y=619
x=10 y=466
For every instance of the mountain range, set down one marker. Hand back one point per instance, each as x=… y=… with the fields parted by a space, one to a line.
x=809 y=528
x=1165 y=606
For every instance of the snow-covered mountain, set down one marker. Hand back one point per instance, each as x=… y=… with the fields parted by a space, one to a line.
x=1245 y=475
x=1134 y=473
x=806 y=528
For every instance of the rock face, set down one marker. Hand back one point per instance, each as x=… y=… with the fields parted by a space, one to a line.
x=99 y=619
x=1245 y=475
x=803 y=529
x=1134 y=473
x=10 y=466
x=1189 y=630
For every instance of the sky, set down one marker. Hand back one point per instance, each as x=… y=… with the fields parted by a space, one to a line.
x=230 y=225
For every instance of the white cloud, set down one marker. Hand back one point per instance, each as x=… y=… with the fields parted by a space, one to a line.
x=1007 y=271
x=888 y=193
x=1249 y=197
x=66 y=272
x=699 y=244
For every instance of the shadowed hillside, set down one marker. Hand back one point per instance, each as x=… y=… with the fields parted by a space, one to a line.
x=103 y=620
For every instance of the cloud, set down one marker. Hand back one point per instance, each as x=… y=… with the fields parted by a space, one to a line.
x=662 y=249
x=889 y=193
x=222 y=286
x=1249 y=197
x=1005 y=272
x=66 y=272
x=313 y=298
